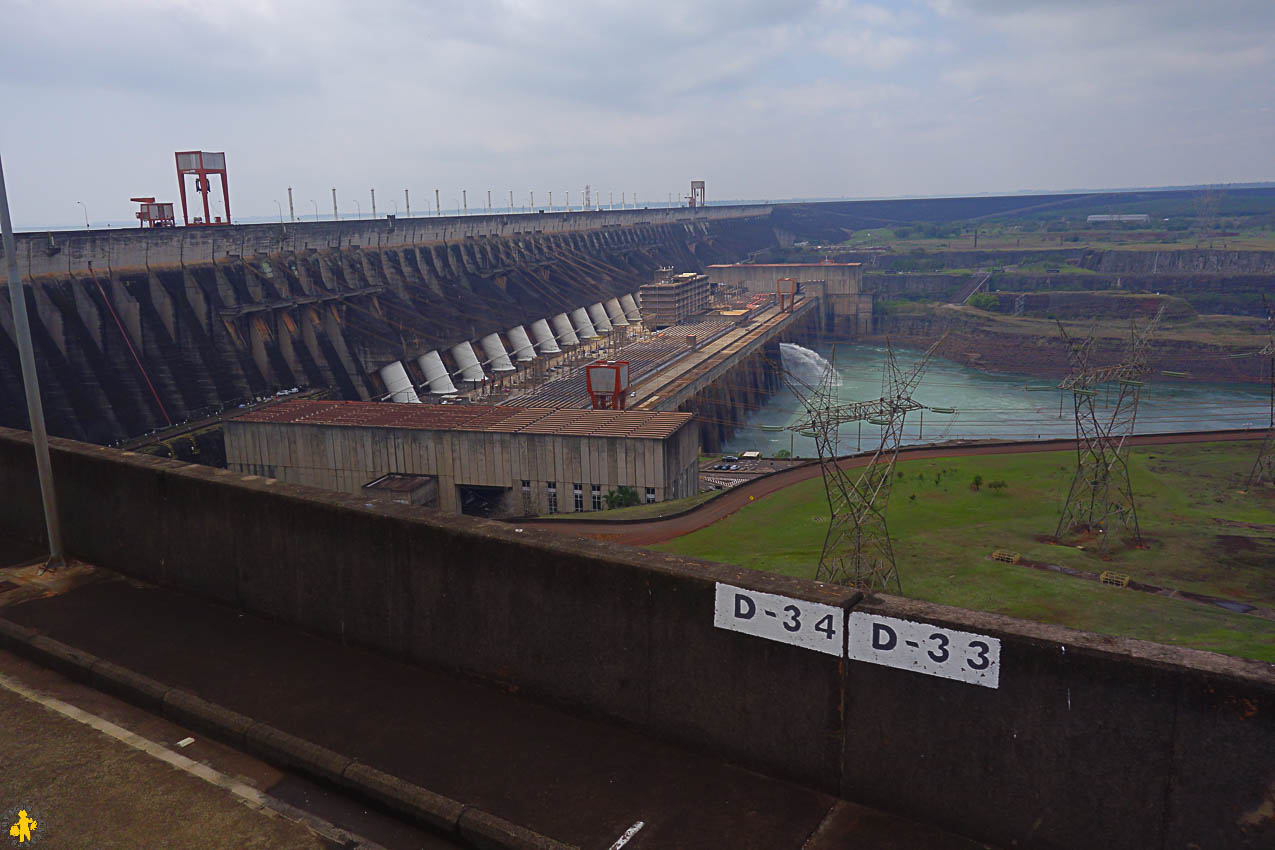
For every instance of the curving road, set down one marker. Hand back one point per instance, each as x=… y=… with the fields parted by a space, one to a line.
x=647 y=532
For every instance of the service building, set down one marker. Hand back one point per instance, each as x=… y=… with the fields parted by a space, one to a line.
x=486 y=460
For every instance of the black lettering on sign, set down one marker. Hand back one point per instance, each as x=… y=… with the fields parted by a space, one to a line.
x=745 y=608
x=825 y=626
x=982 y=661
x=794 y=612
x=939 y=655
x=883 y=637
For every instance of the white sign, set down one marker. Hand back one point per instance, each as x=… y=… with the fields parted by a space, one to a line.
x=806 y=624
x=924 y=648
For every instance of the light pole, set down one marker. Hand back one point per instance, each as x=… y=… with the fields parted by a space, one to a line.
x=86 y=214
x=407 y=199
x=280 y=208
x=292 y=212
x=358 y=207
x=336 y=215
x=373 y=203
x=316 y=208
x=31 y=383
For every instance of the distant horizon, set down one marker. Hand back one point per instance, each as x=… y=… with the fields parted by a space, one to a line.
x=446 y=213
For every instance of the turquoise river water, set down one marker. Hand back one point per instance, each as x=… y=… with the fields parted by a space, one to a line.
x=987 y=405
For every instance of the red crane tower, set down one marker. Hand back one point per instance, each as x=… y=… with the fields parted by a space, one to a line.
x=608 y=384
x=201 y=164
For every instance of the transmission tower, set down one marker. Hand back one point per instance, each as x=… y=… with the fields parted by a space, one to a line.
x=857 y=550
x=1101 y=495
x=1264 y=467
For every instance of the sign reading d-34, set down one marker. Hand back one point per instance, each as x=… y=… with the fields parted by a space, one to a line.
x=810 y=625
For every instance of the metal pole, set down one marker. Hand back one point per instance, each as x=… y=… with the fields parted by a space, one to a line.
x=438 y=209
x=373 y=203
x=292 y=214
x=407 y=200
x=336 y=216
x=488 y=202
x=464 y=195
x=31 y=382
x=511 y=201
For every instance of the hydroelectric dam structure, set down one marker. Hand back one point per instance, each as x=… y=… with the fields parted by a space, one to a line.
x=137 y=330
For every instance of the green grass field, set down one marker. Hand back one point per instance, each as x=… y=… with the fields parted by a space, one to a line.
x=1204 y=535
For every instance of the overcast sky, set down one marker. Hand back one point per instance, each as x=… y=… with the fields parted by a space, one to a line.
x=760 y=98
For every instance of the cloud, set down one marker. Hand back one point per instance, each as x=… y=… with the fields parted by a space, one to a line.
x=761 y=98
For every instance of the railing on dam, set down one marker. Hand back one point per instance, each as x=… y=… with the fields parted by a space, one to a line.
x=70 y=251
x=1077 y=741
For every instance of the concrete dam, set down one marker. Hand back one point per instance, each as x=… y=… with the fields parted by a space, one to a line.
x=137 y=330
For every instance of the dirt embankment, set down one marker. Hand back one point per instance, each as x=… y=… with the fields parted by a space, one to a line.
x=1202 y=349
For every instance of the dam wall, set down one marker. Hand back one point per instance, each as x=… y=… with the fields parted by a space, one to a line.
x=140 y=329
x=1077 y=735
x=62 y=252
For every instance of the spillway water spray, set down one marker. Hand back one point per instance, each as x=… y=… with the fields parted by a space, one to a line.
x=806 y=365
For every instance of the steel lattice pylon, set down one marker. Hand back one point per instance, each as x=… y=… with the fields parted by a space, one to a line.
x=1263 y=471
x=1101 y=494
x=857 y=549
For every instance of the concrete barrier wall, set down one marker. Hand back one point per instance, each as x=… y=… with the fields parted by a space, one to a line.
x=1088 y=741
x=619 y=633
x=74 y=251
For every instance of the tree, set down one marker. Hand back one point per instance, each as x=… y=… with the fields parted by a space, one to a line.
x=622 y=497
x=985 y=301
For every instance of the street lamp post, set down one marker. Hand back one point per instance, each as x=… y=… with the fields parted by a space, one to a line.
x=280 y=208
x=358 y=207
x=86 y=214
x=31 y=383
x=316 y=208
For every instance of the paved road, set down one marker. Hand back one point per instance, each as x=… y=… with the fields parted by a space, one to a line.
x=95 y=772
x=648 y=532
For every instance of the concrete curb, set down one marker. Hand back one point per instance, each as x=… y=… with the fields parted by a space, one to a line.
x=473 y=826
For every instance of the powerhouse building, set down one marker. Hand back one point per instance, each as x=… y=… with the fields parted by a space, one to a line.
x=476 y=459
x=839 y=286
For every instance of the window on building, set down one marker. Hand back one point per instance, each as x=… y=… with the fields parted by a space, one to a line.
x=528 y=507
x=577 y=497
x=650 y=495
x=552 y=490
x=597 y=496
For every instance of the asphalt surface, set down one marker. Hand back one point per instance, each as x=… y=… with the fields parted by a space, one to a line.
x=649 y=532
x=86 y=787
x=575 y=779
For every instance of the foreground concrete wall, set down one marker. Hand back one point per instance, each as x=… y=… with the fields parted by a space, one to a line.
x=1087 y=742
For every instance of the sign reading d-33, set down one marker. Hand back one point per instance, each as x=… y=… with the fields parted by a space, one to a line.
x=925 y=648
x=872 y=638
